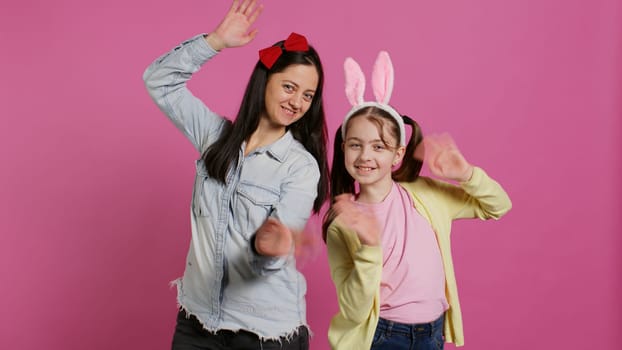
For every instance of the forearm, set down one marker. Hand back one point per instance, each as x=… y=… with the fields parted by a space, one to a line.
x=173 y=69
x=165 y=80
x=356 y=276
x=487 y=198
x=262 y=265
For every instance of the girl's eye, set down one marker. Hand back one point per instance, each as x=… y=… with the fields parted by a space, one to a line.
x=288 y=87
x=379 y=147
x=354 y=145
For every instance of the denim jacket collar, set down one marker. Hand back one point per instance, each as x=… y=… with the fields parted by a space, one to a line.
x=277 y=149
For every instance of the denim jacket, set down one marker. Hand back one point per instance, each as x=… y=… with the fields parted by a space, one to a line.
x=225 y=284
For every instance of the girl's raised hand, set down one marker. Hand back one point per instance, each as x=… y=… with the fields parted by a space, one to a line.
x=234 y=29
x=364 y=224
x=444 y=159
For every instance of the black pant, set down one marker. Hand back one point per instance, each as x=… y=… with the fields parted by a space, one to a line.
x=190 y=335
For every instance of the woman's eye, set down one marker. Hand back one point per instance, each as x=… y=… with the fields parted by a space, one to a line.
x=308 y=97
x=288 y=87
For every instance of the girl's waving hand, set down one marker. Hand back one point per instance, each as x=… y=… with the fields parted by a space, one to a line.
x=444 y=158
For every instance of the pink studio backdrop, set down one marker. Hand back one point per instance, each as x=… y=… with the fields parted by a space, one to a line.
x=96 y=183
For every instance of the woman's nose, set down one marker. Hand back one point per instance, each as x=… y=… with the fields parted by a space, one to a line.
x=295 y=101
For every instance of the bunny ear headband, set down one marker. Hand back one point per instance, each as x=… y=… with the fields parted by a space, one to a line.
x=382 y=84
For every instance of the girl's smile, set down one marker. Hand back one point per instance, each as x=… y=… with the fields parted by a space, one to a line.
x=369 y=156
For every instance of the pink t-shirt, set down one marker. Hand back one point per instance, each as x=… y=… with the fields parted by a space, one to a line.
x=412 y=289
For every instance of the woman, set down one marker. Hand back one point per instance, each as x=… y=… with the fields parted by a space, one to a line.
x=257 y=181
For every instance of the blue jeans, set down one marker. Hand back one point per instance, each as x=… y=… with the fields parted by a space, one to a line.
x=397 y=336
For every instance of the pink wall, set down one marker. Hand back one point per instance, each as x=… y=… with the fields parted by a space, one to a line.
x=96 y=183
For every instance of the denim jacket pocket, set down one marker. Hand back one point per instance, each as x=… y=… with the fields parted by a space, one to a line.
x=253 y=204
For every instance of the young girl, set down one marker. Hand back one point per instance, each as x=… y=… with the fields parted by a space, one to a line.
x=388 y=243
x=257 y=181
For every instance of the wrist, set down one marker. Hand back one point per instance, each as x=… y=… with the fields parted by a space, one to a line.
x=214 y=41
x=253 y=246
x=468 y=174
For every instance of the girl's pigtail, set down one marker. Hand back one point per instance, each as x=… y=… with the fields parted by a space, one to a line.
x=411 y=166
x=340 y=180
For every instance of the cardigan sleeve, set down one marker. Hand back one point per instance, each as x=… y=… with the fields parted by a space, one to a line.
x=486 y=198
x=479 y=197
x=356 y=271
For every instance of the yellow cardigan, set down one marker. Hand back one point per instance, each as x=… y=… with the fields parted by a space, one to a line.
x=356 y=269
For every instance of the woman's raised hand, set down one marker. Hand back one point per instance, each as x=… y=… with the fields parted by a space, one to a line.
x=234 y=29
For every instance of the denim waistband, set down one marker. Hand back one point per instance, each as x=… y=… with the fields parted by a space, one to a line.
x=429 y=328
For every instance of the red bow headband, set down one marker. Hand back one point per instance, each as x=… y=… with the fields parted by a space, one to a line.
x=294 y=42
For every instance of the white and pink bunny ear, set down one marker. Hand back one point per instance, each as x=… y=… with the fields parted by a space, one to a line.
x=382 y=84
x=382 y=78
x=355 y=81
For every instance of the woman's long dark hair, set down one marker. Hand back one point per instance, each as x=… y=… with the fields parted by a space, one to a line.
x=343 y=182
x=310 y=130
